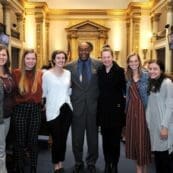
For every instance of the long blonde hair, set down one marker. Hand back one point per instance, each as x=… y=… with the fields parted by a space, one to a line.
x=23 y=82
x=129 y=73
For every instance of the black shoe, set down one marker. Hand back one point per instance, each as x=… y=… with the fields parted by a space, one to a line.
x=20 y=170
x=91 y=169
x=61 y=170
x=78 y=168
x=108 y=168
x=33 y=170
x=114 y=168
x=20 y=166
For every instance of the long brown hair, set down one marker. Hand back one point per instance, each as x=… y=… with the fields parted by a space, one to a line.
x=7 y=64
x=23 y=83
x=129 y=73
x=56 y=52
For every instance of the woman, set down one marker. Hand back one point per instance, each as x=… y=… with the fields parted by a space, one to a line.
x=160 y=116
x=27 y=112
x=111 y=102
x=7 y=100
x=137 y=135
x=56 y=91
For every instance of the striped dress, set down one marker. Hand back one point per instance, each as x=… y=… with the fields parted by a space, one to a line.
x=137 y=134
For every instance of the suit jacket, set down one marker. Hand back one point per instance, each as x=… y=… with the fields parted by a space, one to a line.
x=84 y=97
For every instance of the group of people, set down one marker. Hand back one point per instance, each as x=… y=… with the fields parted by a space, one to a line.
x=86 y=94
x=21 y=95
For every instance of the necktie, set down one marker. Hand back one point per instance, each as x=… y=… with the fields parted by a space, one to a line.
x=84 y=73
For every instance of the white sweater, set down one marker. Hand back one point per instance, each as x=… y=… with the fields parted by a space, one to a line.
x=159 y=114
x=56 y=90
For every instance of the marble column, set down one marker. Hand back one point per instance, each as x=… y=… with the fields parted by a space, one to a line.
x=168 y=52
x=39 y=38
x=74 y=45
x=133 y=29
x=1 y=13
x=20 y=25
x=155 y=24
x=7 y=22
x=45 y=61
x=136 y=32
x=128 y=38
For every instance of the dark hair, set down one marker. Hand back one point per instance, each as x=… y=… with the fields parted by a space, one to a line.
x=90 y=45
x=54 y=53
x=47 y=66
x=155 y=84
x=7 y=64
x=159 y=63
x=106 y=46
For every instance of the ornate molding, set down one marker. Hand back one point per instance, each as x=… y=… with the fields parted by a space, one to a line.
x=170 y=6
x=157 y=8
x=33 y=7
x=156 y=17
x=86 y=31
x=16 y=5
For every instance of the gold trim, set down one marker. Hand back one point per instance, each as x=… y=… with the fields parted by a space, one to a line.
x=36 y=5
x=14 y=4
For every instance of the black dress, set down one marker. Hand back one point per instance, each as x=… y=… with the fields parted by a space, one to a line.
x=111 y=104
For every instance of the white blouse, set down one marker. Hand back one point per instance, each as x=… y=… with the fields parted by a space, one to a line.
x=56 y=90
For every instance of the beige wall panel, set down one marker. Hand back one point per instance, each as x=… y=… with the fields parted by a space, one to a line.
x=162 y=21
x=57 y=35
x=117 y=39
x=1 y=14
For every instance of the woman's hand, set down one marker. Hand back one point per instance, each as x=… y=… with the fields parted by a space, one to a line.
x=164 y=133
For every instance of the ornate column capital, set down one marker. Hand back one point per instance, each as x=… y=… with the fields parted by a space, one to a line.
x=170 y=6
x=19 y=17
x=39 y=17
x=74 y=34
x=156 y=17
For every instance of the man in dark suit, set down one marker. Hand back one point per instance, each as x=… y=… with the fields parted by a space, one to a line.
x=84 y=100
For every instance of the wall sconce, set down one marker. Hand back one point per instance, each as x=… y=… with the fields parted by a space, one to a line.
x=154 y=35
x=117 y=54
x=145 y=52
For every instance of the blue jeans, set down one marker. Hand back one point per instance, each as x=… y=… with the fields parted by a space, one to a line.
x=3 y=133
